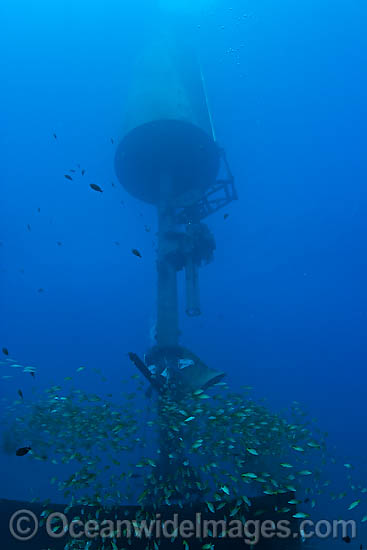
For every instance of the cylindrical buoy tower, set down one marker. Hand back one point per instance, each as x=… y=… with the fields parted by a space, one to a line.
x=168 y=152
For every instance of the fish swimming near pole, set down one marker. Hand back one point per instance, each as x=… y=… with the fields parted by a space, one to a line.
x=95 y=187
x=23 y=451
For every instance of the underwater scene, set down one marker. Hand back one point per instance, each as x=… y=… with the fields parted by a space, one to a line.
x=183 y=267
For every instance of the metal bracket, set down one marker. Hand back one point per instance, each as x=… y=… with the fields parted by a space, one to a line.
x=193 y=209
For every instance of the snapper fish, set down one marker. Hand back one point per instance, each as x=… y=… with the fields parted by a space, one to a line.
x=22 y=451
x=95 y=187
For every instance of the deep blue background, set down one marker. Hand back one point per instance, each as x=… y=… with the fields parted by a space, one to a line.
x=284 y=303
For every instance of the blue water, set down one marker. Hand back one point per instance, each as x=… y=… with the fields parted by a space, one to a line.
x=285 y=302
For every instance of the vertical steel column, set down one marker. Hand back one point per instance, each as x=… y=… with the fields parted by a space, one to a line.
x=167 y=298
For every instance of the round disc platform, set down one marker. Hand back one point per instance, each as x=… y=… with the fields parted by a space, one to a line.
x=177 y=149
